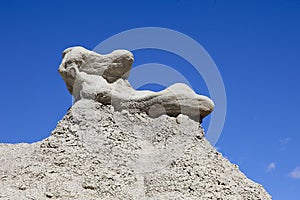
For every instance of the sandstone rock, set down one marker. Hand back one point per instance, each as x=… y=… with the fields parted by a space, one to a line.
x=103 y=78
x=111 y=67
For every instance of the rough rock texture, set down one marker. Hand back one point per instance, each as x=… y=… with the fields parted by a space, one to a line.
x=98 y=151
x=89 y=75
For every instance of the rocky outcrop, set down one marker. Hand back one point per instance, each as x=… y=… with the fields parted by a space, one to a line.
x=89 y=75
x=99 y=151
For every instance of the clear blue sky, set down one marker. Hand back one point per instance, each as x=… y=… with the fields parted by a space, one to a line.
x=255 y=45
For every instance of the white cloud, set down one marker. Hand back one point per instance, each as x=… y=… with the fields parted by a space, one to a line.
x=295 y=173
x=285 y=141
x=271 y=167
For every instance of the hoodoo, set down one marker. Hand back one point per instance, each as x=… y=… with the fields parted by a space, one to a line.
x=119 y=143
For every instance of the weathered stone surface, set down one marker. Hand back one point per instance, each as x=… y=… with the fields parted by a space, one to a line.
x=115 y=143
x=111 y=67
x=103 y=78
x=96 y=152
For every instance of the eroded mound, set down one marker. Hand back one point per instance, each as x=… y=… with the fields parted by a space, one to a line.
x=98 y=153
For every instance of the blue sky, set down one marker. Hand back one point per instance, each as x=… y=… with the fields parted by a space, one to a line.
x=255 y=45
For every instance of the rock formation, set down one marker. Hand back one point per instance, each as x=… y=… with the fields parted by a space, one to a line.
x=119 y=143
x=89 y=75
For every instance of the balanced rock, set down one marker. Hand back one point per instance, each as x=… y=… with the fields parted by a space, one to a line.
x=103 y=78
